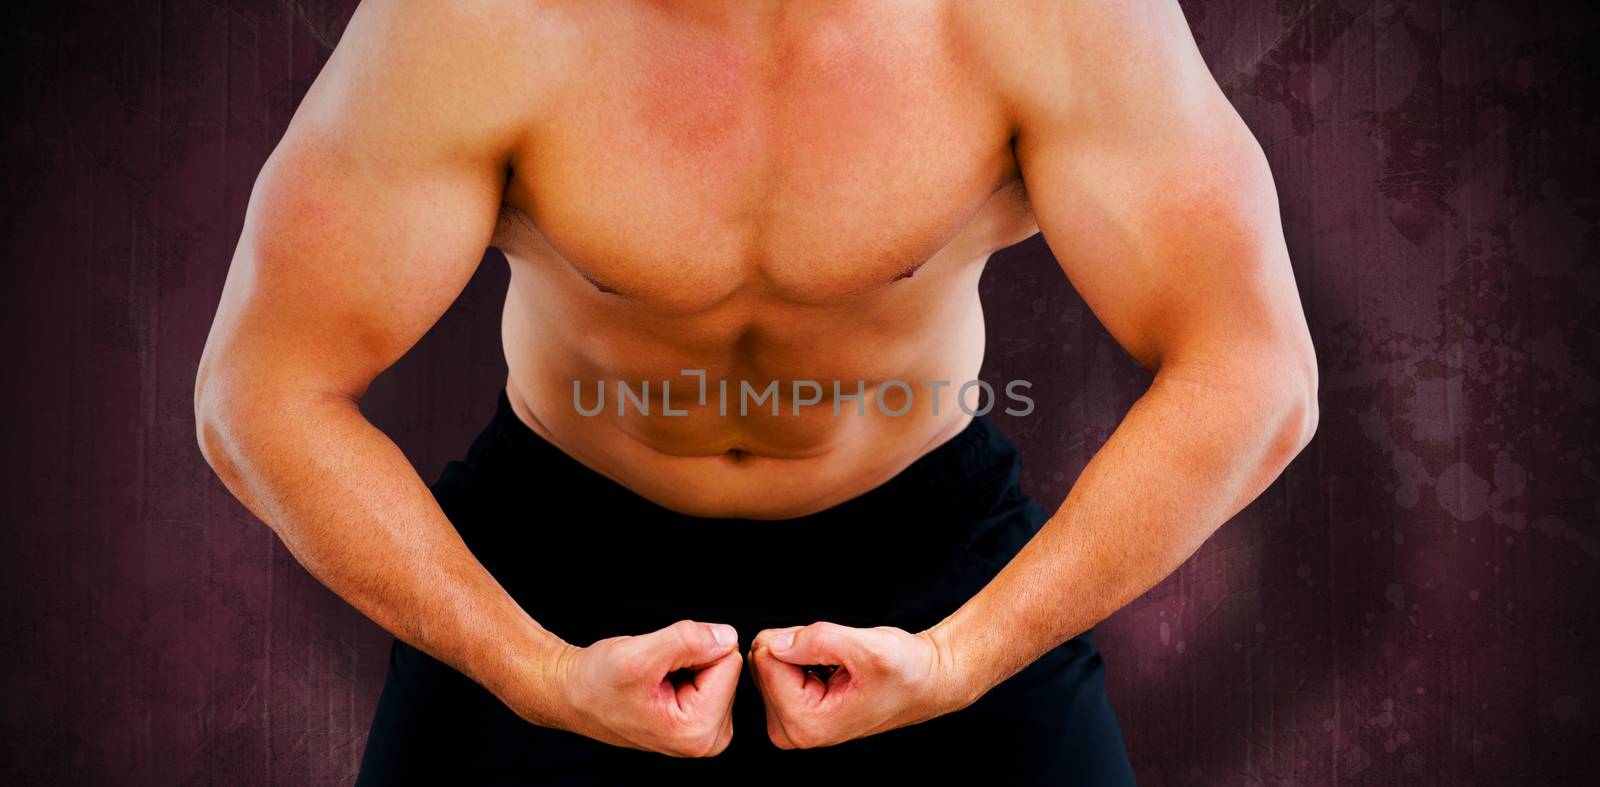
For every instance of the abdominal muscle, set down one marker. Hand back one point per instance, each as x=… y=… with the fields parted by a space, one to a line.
x=757 y=465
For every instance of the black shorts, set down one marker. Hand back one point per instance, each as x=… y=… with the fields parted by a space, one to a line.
x=589 y=559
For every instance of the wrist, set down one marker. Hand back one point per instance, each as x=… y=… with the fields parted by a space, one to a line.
x=959 y=678
x=529 y=674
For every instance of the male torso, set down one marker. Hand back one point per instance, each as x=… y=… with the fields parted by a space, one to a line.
x=759 y=192
x=807 y=192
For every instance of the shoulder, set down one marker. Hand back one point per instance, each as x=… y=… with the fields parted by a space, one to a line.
x=473 y=44
x=448 y=66
x=458 y=24
x=1058 y=60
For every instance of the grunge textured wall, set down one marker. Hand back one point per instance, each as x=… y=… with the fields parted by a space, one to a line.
x=1414 y=602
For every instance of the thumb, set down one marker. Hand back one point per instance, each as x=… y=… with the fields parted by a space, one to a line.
x=691 y=644
x=818 y=643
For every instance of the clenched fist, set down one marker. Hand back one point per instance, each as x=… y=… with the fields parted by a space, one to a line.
x=825 y=684
x=670 y=691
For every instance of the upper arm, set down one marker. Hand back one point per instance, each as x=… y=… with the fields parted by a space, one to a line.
x=1148 y=187
x=373 y=211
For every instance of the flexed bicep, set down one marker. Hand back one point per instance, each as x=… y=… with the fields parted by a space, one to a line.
x=1148 y=187
x=372 y=213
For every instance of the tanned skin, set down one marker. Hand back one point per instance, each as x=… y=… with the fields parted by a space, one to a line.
x=763 y=191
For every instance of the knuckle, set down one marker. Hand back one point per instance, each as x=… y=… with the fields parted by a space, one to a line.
x=819 y=634
x=686 y=632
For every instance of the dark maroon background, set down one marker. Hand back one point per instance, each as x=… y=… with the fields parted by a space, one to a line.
x=1414 y=602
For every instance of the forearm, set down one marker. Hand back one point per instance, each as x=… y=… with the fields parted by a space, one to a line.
x=1194 y=450
x=349 y=506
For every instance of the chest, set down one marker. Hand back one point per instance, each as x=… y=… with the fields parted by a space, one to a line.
x=814 y=169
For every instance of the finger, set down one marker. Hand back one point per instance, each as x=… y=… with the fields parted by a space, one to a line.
x=764 y=637
x=724 y=737
x=725 y=733
x=800 y=686
x=818 y=643
x=761 y=663
x=687 y=645
x=721 y=677
x=711 y=691
x=755 y=674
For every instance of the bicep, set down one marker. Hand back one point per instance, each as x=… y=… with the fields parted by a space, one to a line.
x=364 y=225
x=339 y=272
x=1152 y=193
